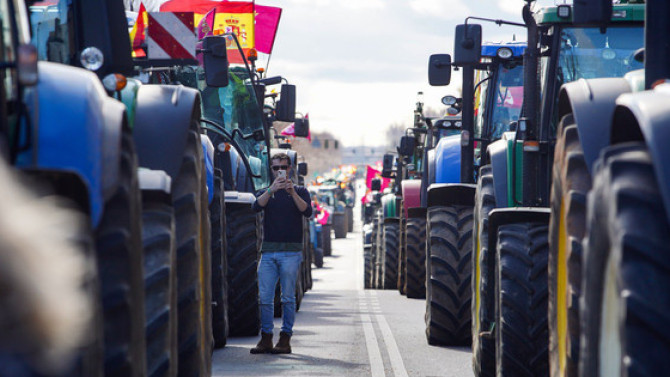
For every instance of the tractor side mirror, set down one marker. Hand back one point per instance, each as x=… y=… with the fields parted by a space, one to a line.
x=439 y=70
x=301 y=127
x=387 y=165
x=407 y=145
x=468 y=44
x=376 y=184
x=302 y=168
x=215 y=61
x=589 y=12
x=286 y=105
x=27 y=64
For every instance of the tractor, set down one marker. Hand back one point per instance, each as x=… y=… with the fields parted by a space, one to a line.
x=161 y=137
x=493 y=80
x=518 y=329
x=609 y=209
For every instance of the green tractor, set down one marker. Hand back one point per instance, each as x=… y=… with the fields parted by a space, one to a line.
x=609 y=221
x=526 y=302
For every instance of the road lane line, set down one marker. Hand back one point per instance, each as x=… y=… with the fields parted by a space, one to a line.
x=371 y=343
x=392 y=347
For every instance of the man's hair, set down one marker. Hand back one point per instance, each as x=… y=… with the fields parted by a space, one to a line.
x=281 y=156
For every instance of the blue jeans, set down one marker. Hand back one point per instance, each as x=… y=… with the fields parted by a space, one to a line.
x=282 y=266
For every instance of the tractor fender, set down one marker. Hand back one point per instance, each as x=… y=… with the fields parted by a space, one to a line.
x=644 y=116
x=448 y=160
x=511 y=215
x=449 y=194
x=164 y=115
x=417 y=213
x=236 y=197
x=592 y=102
x=77 y=129
x=498 y=156
x=208 y=152
x=411 y=194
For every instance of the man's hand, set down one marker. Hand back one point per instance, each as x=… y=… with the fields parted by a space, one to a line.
x=288 y=186
x=278 y=184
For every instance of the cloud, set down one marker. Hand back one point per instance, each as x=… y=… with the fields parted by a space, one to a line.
x=511 y=6
x=445 y=9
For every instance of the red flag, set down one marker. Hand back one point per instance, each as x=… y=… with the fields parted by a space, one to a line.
x=138 y=33
x=206 y=25
x=267 y=23
x=289 y=130
x=373 y=173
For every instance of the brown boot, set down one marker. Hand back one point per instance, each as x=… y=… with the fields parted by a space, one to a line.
x=284 y=343
x=264 y=345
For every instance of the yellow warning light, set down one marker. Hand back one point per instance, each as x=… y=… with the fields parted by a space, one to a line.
x=252 y=55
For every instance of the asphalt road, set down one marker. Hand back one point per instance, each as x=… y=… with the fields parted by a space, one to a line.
x=344 y=330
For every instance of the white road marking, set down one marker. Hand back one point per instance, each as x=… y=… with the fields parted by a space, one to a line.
x=392 y=347
x=372 y=345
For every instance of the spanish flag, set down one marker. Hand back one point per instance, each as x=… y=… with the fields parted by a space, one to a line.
x=138 y=34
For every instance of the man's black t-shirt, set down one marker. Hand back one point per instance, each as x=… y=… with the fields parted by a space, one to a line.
x=283 y=221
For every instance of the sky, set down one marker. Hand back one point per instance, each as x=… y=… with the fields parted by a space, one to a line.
x=358 y=64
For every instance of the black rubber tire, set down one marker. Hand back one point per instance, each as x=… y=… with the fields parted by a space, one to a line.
x=389 y=254
x=373 y=255
x=340 y=224
x=448 y=274
x=207 y=341
x=571 y=182
x=306 y=256
x=521 y=329
x=378 y=254
x=299 y=291
x=415 y=237
x=187 y=202
x=243 y=232
x=367 y=268
x=627 y=260
x=402 y=256
x=118 y=240
x=483 y=279
x=217 y=210
x=326 y=240
x=318 y=257
x=160 y=283
x=350 y=218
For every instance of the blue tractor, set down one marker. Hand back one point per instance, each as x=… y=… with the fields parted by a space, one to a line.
x=153 y=252
x=450 y=172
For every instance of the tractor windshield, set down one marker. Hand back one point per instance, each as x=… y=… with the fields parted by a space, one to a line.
x=587 y=53
x=51 y=23
x=507 y=100
x=235 y=108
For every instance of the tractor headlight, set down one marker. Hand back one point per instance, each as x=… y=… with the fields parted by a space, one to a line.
x=504 y=53
x=92 y=58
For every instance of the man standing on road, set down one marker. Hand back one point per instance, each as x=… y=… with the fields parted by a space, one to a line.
x=284 y=205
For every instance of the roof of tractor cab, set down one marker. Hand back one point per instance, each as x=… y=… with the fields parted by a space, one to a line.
x=491 y=48
x=624 y=12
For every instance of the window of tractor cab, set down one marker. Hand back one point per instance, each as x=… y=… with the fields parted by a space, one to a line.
x=53 y=35
x=508 y=98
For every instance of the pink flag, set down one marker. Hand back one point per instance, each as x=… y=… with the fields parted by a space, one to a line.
x=206 y=25
x=267 y=23
x=289 y=130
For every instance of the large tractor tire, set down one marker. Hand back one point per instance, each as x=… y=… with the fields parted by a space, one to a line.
x=571 y=182
x=207 y=341
x=415 y=239
x=389 y=252
x=448 y=269
x=160 y=283
x=367 y=267
x=627 y=269
x=377 y=254
x=350 y=218
x=306 y=255
x=340 y=224
x=187 y=203
x=521 y=301
x=118 y=240
x=243 y=232
x=217 y=210
x=483 y=279
x=326 y=231
x=402 y=259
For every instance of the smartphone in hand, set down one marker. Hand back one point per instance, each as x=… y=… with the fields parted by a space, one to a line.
x=281 y=174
